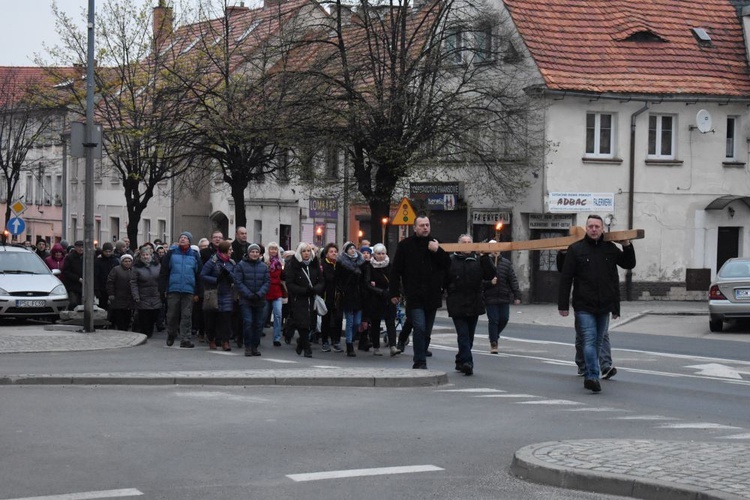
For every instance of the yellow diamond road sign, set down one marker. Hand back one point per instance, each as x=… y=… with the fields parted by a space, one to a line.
x=405 y=215
x=18 y=207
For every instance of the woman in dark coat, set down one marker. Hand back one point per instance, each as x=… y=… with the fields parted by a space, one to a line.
x=144 y=286
x=350 y=279
x=332 y=322
x=120 y=297
x=377 y=280
x=217 y=273
x=304 y=281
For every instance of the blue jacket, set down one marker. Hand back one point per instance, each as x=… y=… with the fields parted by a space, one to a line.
x=252 y=280
x=179 y=271
x=218 y=274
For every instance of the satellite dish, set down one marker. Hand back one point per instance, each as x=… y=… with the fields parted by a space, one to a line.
x=703 y=121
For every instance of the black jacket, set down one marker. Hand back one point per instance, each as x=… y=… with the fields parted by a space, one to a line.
x=420 y=271
x=464 y=284
x=591 y=269
x=506 y=289
x=301 y=294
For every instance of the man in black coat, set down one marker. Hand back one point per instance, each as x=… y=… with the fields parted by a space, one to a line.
x=591 y=269
x=73 y=275
x=419 y=266
x=102 y=266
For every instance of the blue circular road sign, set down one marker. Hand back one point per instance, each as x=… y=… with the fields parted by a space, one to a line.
x=16 y=226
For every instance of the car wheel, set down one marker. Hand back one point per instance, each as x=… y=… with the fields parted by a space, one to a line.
x=715 y=325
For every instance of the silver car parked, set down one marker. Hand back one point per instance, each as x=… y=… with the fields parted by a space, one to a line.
x=729 y=295
x=27 y=286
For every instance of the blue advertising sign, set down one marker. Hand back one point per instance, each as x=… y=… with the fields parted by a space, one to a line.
x=324 y=208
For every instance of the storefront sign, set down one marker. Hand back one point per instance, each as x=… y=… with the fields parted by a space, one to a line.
x=581 y=202
x=490 y=218
x=324 y=208
x=435 y=195
x=550 y=221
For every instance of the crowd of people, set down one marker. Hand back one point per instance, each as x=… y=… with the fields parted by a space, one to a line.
x=226 y=293
x=223 y=292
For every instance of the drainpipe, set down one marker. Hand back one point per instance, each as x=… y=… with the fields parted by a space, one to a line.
x=631 y=194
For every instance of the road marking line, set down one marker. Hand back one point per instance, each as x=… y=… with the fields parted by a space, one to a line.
x=736 y=436
x=479 y=389
x=338 y=474
x=281 y=361
x=550 y=402
x=697 y=425
x=88 y=495
x=602 y=409
x=645 y=417
x=506 y=396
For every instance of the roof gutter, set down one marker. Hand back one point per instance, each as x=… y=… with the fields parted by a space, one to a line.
x=652 y=98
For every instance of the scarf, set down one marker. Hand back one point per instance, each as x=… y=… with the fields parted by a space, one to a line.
x=380 y=265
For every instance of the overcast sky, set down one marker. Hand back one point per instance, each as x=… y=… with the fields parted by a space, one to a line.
x=25 y=24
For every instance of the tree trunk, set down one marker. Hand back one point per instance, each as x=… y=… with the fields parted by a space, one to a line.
x=378 y=210
x=238 y=195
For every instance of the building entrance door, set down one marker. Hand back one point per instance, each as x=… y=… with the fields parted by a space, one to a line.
x=545 y=277
x=727 y=245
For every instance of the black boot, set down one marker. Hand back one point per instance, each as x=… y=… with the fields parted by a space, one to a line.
x=350 y=350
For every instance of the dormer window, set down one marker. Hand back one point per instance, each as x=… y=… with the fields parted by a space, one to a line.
x=644 y=36
x=702 y=36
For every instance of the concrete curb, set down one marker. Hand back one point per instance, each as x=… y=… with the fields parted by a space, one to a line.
x=352 y=377
x=581 y=475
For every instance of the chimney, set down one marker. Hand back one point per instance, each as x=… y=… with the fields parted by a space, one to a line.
x=163 y=20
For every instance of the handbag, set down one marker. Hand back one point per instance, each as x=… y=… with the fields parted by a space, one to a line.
x=320 y=306
x=211 y=299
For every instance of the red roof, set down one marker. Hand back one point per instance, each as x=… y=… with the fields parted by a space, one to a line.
x=593 y=45
x=20 y=82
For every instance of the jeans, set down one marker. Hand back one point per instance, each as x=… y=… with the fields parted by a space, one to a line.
x=422 y=320
x=497 y=318
x=465 y=328
x=353 y=320
x=593 y=327
x=180 y=315
x=252 y=323
x=605 y=353
x=275 y=307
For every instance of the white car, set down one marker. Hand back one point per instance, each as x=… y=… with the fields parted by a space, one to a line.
x=27 y=286
x=729 y=295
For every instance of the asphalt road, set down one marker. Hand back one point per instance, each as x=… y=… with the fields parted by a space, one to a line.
x=454 y=441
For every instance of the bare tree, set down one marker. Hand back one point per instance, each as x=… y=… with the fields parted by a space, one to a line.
x=141 y=105
x=241 y=114
x=408 y=90
x=27 y=117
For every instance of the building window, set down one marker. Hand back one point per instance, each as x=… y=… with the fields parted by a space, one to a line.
x=599 y=135
x=731 y=144
x=454 y=47
x=29 y=189
x=483 y=44
x=661 y=137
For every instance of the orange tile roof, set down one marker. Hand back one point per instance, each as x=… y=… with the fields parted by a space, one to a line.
x=582 y=45
x=21 y=82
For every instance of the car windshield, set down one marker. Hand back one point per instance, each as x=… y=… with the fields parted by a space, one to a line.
x=22 y=263
x=735 y=269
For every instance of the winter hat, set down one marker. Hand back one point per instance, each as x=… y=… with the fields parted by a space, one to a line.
x=188 y=235
x=79 y=243
x=366 y=249
x=253 y=246
x=348 y=245
x=107 y=246
x=125 y=257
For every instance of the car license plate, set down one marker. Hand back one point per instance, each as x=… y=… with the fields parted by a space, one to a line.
x=31 y=303
x=742 y=293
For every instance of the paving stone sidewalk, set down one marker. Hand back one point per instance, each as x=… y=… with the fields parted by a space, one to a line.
x=648 y=469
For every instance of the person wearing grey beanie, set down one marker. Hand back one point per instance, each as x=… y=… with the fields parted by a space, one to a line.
x=188 y=235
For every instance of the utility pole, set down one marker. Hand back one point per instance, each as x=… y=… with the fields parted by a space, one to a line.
x=88 y=217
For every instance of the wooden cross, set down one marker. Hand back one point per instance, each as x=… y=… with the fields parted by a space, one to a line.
x=576 y=234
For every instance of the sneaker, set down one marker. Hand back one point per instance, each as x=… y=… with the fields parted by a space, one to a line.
x=581 y=371
x=400 y=347
x=187 y=344
x=326 y=347
x=394 y=351
x=493 y=347
x=376 y=352
x=467 y=369
x=336 y=348
x=609 y=373
x=592 y=384
x=276 y=343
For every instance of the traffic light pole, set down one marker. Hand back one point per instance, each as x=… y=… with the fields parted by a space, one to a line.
x=88 y=216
